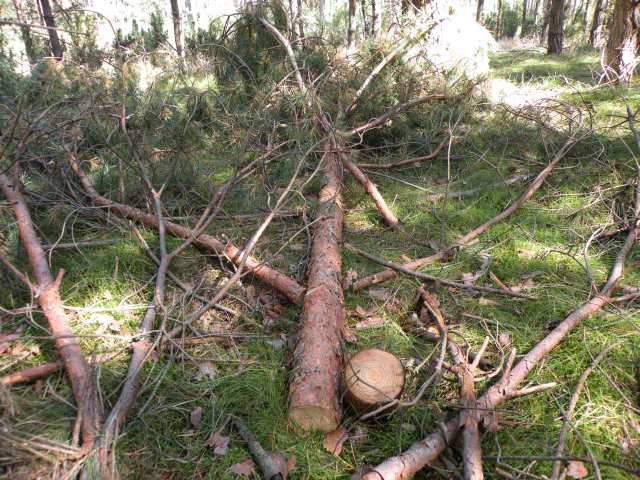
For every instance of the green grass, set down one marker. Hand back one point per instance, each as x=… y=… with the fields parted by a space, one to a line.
x=545 y=237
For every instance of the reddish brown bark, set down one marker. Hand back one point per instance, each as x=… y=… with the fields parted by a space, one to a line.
x=371 y=188
x=315 y=382
x=47 y=293
x=420 y=454
x=282 y=283
x=385 y=275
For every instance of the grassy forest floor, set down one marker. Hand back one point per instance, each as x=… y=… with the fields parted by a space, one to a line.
x=540 y=249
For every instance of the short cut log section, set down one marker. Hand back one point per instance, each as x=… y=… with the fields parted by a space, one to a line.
x=373 y=377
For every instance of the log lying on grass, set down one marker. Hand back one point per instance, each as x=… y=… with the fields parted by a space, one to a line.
x=420 y=454
x=315 y=382
x=464 y=240
x=47 y=291
x=280 y=282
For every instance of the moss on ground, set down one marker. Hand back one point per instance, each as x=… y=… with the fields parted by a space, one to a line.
x=541 y=246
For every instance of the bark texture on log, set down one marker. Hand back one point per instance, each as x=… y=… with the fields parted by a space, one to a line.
x=315 y=382
x=48 y=295
x=280 y=282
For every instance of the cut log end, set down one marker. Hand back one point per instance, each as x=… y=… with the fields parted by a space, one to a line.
x=373 y=377
x=313 y=417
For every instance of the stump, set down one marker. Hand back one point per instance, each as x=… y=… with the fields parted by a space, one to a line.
x=373 y=377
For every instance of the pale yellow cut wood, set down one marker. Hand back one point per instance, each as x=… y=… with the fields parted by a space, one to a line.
x=373 y=377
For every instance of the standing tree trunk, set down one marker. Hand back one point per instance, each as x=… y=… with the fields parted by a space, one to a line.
x=545 y=20
x=376 y=17
x=47 y=14
x=25 y=32
x=523 y=29
x=321 y=16
x=534 y=18
x=177 y=28
x=556 y=30
x=479 y=11
x=596 y=24
x=300 y=22
x=351 y=23
x=585 y=12
x=499 y=19
x=621 y=55
x=365 y=18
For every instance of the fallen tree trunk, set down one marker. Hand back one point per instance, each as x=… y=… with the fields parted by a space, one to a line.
x=47 y=291
x=280 y=282
x=464 y=240
x=420 y=454
x=315 y=383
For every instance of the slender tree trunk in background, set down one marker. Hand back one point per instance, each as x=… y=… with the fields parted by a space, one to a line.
x=556 y=30
x=321 y=16
x=596 y=24
x=47 y=14
x=621 y=55
x=545 y=21
x=177 y=30
x=300 y=22
x=376 y=17
x=499 y=19
x=585 y=12
x=365 y=18
x=25 y=32
x=523 y=30
x=479 y=11
x=535 y=14
x=351 y=23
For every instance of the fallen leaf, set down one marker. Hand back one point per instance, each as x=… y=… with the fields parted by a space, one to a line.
x=218 y=442
x=406 y=259
x=576 y=469
x=196 y=417
x=206 y=369
x=283 y=464
x=361 y=312
x=333 y=440
x=277 y=343
x=486 y=301
x=348 y=335
x=370 y=323
x=244 y=468
x=349 y=278
x=252 y=297
x=504 y=339
x=383 y=294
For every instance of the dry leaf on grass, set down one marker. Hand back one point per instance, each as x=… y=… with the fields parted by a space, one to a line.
x=348 y=335
x=333 y=440
x=504 y=339
x=349 y=278
x=576 y=469
x=244 y=468
x=218 y=442
x=370 y=322
x=383 y=294
x=206 y=369
x=196 y=417
x=486 y=301
x=284 y=465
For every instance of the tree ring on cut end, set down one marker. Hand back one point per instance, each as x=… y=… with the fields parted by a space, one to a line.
x=373 y=377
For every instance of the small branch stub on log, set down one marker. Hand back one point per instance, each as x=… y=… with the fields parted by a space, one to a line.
x=373 y=377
